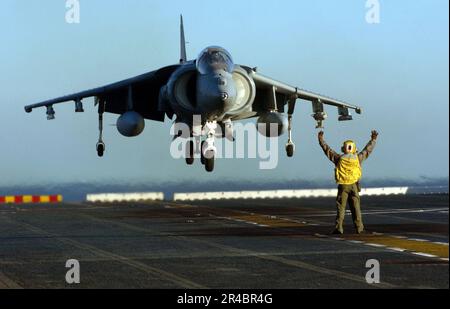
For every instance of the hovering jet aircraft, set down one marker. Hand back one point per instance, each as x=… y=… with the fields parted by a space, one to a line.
x=211 y=86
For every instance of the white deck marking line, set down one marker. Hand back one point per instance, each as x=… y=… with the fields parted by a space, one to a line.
x=337 y=238
x=375 y=245
x=418 y=239
x=241 y=221
x=384 y=212
x=320 y=235
x=385 y=246
x=425 y=254
x=396 y=249
x=261 y=215
x=440 y=243
x=356 y=241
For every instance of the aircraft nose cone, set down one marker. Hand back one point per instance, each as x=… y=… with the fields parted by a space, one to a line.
x=215 y=93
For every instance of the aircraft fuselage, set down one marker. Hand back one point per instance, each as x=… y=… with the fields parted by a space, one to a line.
x=211 y=86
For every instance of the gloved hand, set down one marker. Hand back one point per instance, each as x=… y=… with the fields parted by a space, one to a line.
x=374 y=135
x=320 y=135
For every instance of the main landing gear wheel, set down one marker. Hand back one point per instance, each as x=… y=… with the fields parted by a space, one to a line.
x=202 y=157
x=209 y=160
x=290 y=150
x=100 y=149
x=190 y=153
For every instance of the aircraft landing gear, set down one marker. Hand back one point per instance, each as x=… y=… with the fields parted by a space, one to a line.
x=209 y=149
x=202 y=157
x=100 y=148
x=190 y=152
x=209 y=161
x=100 y=144
x=290 y=149
x=290 y=146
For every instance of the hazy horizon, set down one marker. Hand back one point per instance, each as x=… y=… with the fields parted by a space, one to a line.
x=78 y=191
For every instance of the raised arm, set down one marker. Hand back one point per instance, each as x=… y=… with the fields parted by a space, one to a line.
x=330 y=153
x=365 y=153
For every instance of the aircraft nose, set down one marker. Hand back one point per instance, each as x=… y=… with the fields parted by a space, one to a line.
x=216 y=93
x=226 y=92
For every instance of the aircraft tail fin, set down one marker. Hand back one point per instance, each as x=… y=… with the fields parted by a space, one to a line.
x=183 y=57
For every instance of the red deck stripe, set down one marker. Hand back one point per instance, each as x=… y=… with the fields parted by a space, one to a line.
x=18 y=199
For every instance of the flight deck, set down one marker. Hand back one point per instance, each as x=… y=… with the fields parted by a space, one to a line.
x=245 y=244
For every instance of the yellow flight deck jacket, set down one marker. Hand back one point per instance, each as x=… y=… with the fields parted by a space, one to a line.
x=347 y=166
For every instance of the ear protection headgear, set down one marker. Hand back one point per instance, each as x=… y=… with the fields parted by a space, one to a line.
x=349 y=147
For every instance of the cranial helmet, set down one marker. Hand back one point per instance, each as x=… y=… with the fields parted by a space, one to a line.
x=349 y=147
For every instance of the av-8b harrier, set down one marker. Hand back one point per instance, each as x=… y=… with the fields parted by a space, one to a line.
x=212 y=87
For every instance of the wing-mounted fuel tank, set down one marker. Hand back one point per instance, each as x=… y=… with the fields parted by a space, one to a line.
x=130 y=124
x=272 y=124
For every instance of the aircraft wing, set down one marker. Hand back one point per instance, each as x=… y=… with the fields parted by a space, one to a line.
x=317 y=100
x=145 y=94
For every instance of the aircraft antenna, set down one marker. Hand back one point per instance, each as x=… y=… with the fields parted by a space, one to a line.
x=183 y=57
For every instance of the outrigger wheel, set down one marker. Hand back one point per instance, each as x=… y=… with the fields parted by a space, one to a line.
x=290 y=148
x=100 y=148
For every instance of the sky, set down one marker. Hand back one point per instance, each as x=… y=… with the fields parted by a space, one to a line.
x=397 y=70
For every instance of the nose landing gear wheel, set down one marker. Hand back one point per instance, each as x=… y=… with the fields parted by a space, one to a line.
x=209 y=161
x=202 y=157
x=190 y=153
x=100 y=149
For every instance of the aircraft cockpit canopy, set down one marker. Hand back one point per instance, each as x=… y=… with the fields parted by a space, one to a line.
x=214 y=58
